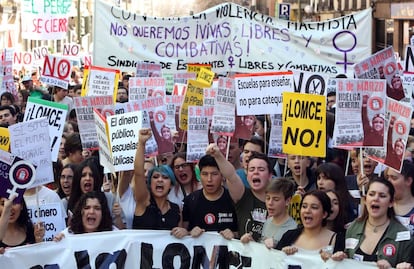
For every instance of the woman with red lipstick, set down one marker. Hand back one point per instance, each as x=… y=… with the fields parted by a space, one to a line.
x=153 y=210
x=16 y=228
x=377 y=236
x=313 y=234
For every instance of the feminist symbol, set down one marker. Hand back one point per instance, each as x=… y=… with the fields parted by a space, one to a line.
x=345 y=51
x=231 y=60
x=20 y=176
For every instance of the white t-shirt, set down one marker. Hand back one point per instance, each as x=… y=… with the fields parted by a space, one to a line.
x=128 y=204
x=46 y=196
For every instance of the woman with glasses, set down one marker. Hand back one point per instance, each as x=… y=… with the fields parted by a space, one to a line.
x=65 y=183
x=153 y=211
x=186 y=179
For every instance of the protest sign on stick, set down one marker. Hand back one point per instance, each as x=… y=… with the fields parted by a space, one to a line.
x=84 y=114
x=56 y=71
x=261 y=93
x=223 y=121
x=30 y=141
x=123 y=133
x=360 y=113
x=304 y=124
x=197 y=133
x=16 y=175
x=105 y=156
x=56 y=117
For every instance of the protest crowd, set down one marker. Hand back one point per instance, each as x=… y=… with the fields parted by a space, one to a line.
x=235 y=190
x=211 y=168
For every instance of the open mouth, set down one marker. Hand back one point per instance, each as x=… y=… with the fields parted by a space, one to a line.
x=87 y=187
x=91 y=220
x=159 y=188
x=307 y=219
x=375 y=207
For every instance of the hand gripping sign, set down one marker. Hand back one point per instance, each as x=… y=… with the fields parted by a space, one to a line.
x=16 y=175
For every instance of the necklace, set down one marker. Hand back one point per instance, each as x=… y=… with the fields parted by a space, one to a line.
x=375 y=227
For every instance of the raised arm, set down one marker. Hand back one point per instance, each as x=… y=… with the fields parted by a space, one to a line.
x=234 y=183
x=5 y=215
x=141 y=192
x=364 y=113
x=125 y=178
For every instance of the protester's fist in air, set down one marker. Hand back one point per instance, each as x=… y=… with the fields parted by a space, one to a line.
x=365 y=98
x=144 y=135
x=213 y=150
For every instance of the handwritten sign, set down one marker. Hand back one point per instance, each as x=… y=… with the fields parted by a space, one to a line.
x=44 y=19
x=30 y=141
x=56 y=116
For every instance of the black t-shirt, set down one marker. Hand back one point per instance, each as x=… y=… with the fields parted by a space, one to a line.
x=209 y=215
x=251 y=214
x=153 y=219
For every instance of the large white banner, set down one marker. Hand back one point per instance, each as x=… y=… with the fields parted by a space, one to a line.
x=230 y=38
x=158 y=249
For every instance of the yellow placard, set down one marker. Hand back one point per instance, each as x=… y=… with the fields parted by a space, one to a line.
x=4 y=139
x=294 y=208
x=194 y=96
x=117 y=76
x=304 y=124
x=85 y=82
x=205 y=76
x=195 y=68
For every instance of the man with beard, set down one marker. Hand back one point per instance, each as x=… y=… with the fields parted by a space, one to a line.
x=121 y=95
x=249 y=202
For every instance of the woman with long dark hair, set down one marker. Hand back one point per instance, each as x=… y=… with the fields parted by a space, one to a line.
x=16 y=228
x=377 y=236
x=90 y=215
x=330 y=176
x=87 y=178
x=314 y=233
